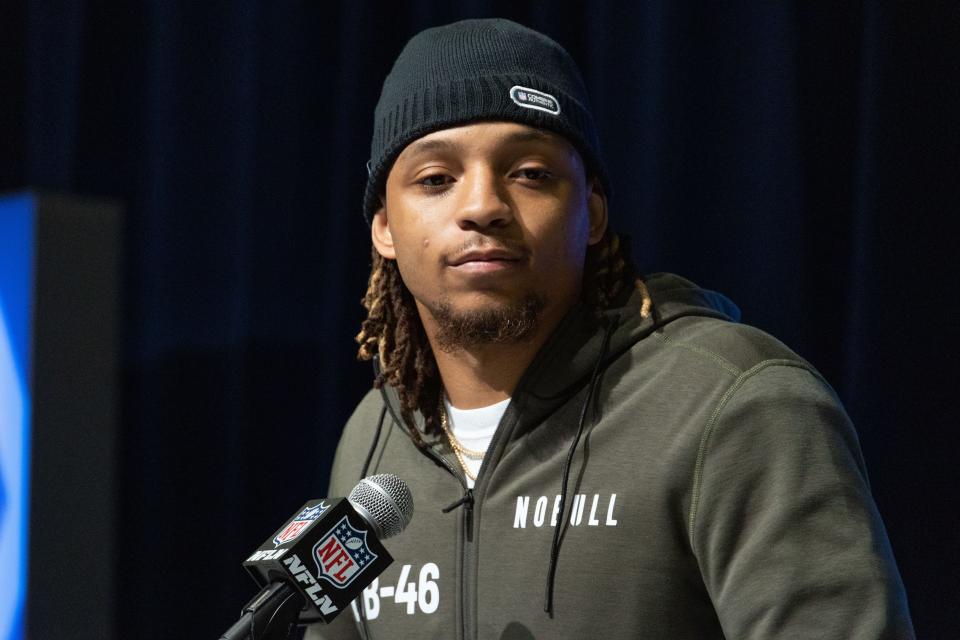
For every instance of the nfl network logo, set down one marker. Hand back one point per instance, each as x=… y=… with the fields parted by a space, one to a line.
x=299 y=524
x=342 y=554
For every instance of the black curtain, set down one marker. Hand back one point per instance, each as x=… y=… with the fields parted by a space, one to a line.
x=800 y=157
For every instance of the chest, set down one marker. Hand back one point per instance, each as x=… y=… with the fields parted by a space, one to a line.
x=481 y=570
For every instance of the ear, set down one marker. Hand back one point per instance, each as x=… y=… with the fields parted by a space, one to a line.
x=597 y=209
x=381 y=235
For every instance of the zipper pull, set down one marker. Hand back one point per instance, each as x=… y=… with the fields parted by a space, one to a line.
x=466 y=502
x=468 y=514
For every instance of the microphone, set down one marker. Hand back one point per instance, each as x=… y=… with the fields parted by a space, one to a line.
x=322 y=558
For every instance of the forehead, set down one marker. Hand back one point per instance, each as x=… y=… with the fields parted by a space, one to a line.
x=488 y=137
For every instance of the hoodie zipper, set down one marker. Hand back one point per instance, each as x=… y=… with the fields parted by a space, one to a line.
x=467 y=557
x=466 y=502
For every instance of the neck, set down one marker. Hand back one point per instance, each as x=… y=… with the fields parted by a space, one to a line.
x=481 y=376
x=484 y=374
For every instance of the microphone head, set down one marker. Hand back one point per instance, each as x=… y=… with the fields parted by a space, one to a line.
x=384 y=500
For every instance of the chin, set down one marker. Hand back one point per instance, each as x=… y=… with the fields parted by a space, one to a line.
x=478 y=301
x=490 y=322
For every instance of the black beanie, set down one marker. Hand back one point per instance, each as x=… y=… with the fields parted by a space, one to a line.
x=475 y=70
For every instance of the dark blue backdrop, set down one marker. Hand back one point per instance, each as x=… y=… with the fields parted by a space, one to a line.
x=801 y=157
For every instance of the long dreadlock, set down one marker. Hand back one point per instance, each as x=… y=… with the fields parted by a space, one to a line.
x=393 y=331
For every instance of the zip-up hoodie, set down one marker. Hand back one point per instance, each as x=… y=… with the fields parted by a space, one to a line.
x=716 y=490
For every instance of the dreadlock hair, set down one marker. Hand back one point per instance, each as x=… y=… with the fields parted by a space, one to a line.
x=393 y=331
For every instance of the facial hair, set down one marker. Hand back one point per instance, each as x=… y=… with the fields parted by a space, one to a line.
x=508 y=324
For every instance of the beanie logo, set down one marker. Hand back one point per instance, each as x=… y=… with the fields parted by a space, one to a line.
x=533 y=99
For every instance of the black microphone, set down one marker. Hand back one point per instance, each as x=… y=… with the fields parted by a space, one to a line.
x=322 y=558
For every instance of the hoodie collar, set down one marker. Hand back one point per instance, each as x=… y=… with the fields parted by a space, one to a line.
x=566 y=360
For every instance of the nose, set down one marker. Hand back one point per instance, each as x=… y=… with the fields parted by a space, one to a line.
x=485 y=201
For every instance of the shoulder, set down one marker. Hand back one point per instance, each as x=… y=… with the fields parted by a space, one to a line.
x=737 y=348
x=754 y=378
x=355 y=442
x=365 y=416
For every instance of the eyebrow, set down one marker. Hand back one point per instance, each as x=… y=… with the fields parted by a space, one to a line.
x=441 y=144
x=423 y=146
x=529 y=135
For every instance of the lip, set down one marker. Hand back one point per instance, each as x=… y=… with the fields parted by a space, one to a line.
x=485 y=261
x=485 y=256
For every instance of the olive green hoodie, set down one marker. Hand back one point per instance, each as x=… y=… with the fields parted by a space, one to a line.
x=717 y=491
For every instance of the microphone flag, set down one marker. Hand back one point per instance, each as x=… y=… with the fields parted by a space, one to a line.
x=327 y=551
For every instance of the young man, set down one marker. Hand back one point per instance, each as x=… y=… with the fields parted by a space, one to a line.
x=591 y=454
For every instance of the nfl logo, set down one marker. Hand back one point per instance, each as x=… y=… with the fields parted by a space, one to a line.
x=342 y=554
x=299 y=524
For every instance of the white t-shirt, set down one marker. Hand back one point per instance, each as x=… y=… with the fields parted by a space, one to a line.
x=474 y=429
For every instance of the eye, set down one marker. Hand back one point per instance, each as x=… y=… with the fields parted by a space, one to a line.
x=533 y=174
x=435 y=181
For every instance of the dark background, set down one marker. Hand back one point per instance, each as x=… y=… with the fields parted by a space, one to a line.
x=800 y=157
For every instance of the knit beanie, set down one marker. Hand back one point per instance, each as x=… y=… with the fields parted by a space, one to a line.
x=476 y=70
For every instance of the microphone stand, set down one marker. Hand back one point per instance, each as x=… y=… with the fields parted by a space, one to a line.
x=271 y=615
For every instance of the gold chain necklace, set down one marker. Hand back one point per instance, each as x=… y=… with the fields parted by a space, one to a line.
x=458 y=449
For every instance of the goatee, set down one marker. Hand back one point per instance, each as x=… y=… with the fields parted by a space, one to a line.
x=506 y=324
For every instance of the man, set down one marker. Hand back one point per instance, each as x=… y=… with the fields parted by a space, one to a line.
x=591 y=454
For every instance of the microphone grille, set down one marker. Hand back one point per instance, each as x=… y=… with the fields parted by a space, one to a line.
x=387 y=500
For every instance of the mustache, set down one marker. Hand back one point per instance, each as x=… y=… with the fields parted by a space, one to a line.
x=515 y=248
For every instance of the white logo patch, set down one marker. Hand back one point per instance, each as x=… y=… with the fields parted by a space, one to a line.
x=533 y=99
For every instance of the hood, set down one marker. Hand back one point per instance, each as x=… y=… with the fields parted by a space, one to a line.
x=565 y=363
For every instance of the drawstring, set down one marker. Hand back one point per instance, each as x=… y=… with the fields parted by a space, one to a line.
x=555 y=547
x=373 y=445
x=361 y=612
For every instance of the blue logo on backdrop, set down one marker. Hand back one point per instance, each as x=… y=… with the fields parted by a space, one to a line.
x=16 y=285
